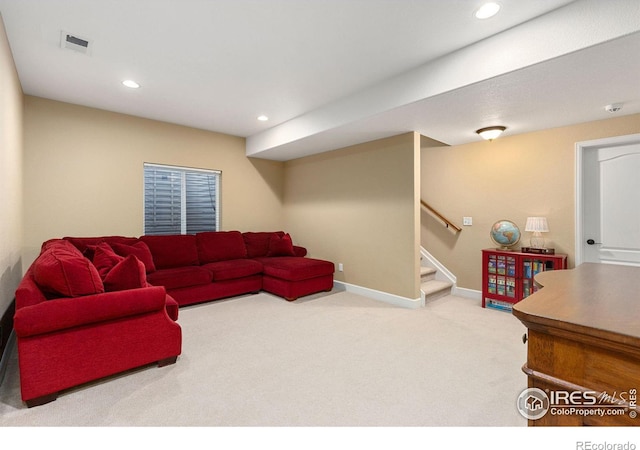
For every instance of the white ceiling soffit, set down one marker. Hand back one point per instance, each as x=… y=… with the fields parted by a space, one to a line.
x=559 y=69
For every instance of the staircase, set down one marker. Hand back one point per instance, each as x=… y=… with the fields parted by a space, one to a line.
x=435 y=279
x=434 y=283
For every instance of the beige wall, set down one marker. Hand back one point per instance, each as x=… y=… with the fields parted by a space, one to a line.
x=10 y=174
x=511 y=178
x=83 y=172
x=358 y=206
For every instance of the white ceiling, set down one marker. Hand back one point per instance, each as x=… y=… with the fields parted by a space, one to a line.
x=331 y=73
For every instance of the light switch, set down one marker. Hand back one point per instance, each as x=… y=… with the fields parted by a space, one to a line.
x=467 y=221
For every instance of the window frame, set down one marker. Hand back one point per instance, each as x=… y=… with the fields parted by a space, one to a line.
x=184 y=171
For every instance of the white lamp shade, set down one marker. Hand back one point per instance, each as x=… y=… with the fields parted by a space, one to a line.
x=537 y=224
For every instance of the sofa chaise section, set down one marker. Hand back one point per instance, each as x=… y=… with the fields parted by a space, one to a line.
x=286 y=271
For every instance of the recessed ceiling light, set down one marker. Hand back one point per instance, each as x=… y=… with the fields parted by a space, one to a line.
x=131 y=84
x=487 y=10
x=263 y=118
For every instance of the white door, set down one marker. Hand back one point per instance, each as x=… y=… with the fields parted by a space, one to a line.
x=608 y=219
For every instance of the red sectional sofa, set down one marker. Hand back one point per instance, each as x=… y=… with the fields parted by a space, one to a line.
x=218 y=264
x=89 y=307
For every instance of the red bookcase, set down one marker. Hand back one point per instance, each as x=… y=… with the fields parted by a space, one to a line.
x=507 y=277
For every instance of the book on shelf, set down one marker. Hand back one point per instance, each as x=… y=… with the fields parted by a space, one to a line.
x=491 y=284
x=511 y=287
x=538 y=266
x=497 y=304
x=502 y=267
x=526 y=288
x=527 y=269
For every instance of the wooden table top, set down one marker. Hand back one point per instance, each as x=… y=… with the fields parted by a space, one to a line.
x=599 y=300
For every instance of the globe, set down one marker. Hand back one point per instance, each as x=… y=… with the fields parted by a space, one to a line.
x=505 y=234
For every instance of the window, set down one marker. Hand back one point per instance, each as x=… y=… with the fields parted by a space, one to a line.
x=180 y=200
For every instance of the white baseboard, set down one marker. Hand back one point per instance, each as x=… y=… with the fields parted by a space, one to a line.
x=467 y=293
x=392 y=299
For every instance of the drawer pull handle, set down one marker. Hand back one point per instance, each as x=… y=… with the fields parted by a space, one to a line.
x=524 y=338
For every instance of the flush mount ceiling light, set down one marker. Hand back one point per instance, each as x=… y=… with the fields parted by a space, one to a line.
x=263 y=118
x=490 y=133
x=131 y=84
x=487 y=10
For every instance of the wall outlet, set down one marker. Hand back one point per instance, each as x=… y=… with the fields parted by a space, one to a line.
x=340 y=267
x=467 y=221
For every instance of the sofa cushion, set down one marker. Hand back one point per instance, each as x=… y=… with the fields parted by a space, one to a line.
x=129 y=273
x=236 y=268
x=87 y=245
x=59 y=244
x=55 y=242
x=179 y=277
x=294 y=268
x=257 y=243
x=174 y=250
x=62 y=271
x=220 y=246
x=140 y=250
x=105 y=259
x=280 y=246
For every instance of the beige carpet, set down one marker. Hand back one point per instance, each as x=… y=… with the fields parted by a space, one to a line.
x=334 y=359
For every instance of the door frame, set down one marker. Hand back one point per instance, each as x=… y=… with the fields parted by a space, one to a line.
x=580 y=149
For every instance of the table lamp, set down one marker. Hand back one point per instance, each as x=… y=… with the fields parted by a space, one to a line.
x=537 y=225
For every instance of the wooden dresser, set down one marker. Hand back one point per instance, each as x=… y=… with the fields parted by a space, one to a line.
x=583 y=337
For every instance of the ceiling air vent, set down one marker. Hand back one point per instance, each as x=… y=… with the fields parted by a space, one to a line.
x=75 y=43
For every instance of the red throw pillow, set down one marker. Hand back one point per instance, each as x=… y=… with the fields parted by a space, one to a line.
x=130 y=273
x=105 y=259
x=63 y=273
x=257 y=243
x=140 y=250
x=281 y=246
